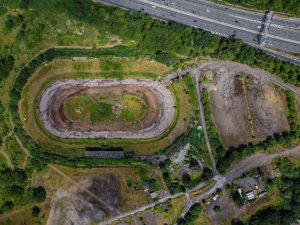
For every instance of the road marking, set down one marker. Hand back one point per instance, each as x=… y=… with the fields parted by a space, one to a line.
x=248 y=19
x=215 y=21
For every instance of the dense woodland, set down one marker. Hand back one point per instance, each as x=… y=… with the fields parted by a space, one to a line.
x=163 y=41
x=15 y=189
x=287 y=6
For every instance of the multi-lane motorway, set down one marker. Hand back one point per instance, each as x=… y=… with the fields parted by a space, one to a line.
x=278 y=33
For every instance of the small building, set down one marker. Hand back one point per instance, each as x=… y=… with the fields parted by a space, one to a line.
x=113 y=153
x=153 y=195
x=250 y=195
x=79 y=58
x=215 y=197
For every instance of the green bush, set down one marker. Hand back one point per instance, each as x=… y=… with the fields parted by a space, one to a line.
x=6 y=65
x=7 y=206
x=35 y=211
x=39 y=194
x=191 y=215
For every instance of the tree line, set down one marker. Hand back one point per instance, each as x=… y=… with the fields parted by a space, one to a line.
x=164 y=41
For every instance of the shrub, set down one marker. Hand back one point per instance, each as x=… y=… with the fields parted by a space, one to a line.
x=39 y=194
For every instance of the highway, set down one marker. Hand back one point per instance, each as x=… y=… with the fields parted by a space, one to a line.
x=282 y=34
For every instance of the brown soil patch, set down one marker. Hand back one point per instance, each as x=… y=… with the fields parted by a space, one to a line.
x=61 y=121
x=246 y=109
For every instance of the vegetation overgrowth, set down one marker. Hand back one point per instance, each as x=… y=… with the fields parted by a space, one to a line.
x=192 y=215
x=174 y=38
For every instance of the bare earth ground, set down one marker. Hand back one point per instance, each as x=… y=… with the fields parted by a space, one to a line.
x=91 y=195
x=76 y=207
x=246 y=108
x=61 y=120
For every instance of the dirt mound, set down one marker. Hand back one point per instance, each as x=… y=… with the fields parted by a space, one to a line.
x=246 y=107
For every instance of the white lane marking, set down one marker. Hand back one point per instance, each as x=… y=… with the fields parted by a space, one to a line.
x=276 y=25
x=256 y=21
x=248 y=19
x=215 y=21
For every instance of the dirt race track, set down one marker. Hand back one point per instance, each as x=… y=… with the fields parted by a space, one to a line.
x=160 y=103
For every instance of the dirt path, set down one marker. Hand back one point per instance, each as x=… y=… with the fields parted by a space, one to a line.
x=6 y=156
x=25 y=150
x=11 y=213
x=22 y=146
x=196 y=75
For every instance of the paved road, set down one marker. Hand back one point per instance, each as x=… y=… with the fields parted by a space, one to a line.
x=283 y=34
x=141 y=209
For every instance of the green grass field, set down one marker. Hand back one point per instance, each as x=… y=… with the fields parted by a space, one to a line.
x=3 y=163
x=83 y=108
x=134 y=108
x=102 y=111
x=78 y=108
